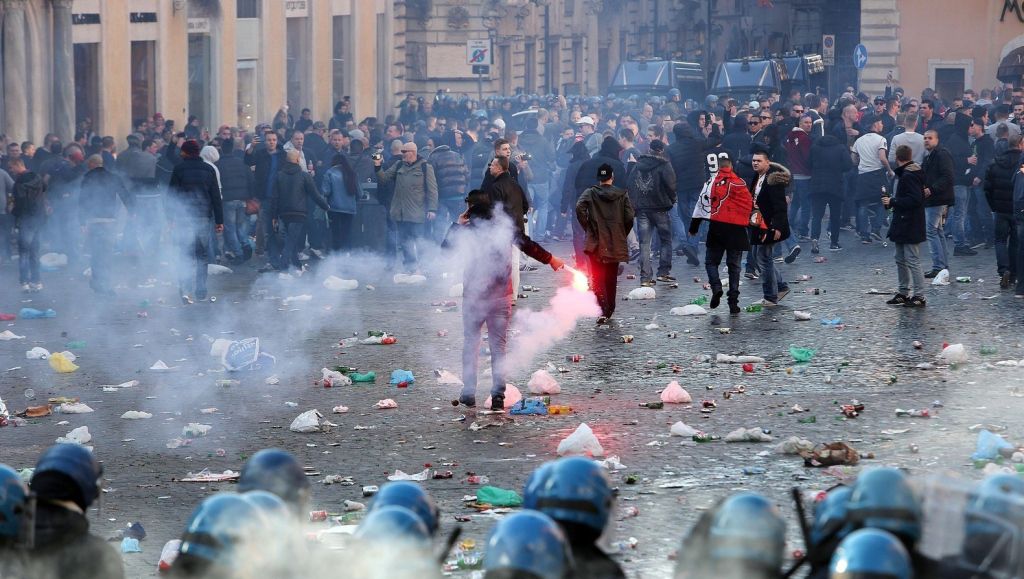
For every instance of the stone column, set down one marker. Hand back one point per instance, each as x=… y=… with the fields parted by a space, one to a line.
x=63 y=71
x=364 y=58
x=15 y=70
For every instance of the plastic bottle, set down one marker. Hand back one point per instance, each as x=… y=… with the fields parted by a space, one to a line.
x=705 y=437
x=963 y=279
x=559 y=409
x=753 y=308
x=913 y=413
x=699 y=301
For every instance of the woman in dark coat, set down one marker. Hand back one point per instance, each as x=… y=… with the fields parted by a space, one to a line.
x=907 y=230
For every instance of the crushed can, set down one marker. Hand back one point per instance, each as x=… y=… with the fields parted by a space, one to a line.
x=370 y=490
x=576 y=358
x=317 y=516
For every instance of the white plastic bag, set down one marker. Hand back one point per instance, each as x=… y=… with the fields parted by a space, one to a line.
x=512 y=395
x=219 y=346
x=581 y=442
x=942 y=278
x=543 y=383
x=9 y=335
x=136 y=415
x=217 y=269
x=308 y=421
x=336 y=284
x=642 y=293
x=296 y=299
x=675 y=394
x=419 y=477
x=333 y=378
x=688 y=310
x=409 y=279
x=455 y=291
x=386 y=404
x=801 y=316
x=953 y=354
x=748 y=435
x=682 y=429
x=447 y=377
x=73 y=408
x=794 y=445
x=37 y=353
x=79 y=435
x=730 y=359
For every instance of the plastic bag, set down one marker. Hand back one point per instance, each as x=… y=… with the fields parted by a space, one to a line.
x=363 y=378
x=73 y=408
x=529 y=406
x=801 y=354
x=219 y=347
x=37 y=353
x=385 y=404
x=447 y=377
x=402 y=376
x=9 y=335
x=61 y=364
x=409 y=279
x=331 y=378
x=161 y=366
x=512 y=395
x=455 y=291
x=642 y=293
x=801 y=316
x=682 y=429
x=308 y=421
x=400 y=475
x=217 y=269
x=130 y=545
x=34 y=314
x=337 y=284
x=729 y=359
x=79 y=435
x=136 y=415
x=748 y=435
x=541 y=382
x=675 y=394
x=794 y=445
x=989 y=446
x=581 y=442
x=954 y=354
x=942 y=278
x=688 y=310
x=497 y=497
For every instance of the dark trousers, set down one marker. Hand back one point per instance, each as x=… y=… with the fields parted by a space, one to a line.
x=409 y=234
x=1006 y=244
x=835 y=215
x=192 y=242
x=28 y=251
x=603 y=278
x=1019 y=224
x=713 y=260
x=6 y=228
x=341 y=230
x=294 y=242
x=101 y=252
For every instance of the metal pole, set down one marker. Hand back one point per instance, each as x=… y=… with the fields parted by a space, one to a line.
x=480 y=87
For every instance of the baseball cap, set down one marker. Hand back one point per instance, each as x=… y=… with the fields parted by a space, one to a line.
x=753 y=105
x=604 y=171
x=586 y=121
x=356 y=134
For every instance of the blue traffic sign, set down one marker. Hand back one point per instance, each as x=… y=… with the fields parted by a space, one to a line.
x=860 y=56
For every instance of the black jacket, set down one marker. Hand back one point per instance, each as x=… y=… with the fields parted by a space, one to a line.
x=260 y=159
x=984 y=148
x=165 y=165
x=570 y=194
x=652 y=184
x=293 y=188
x=907 y=203
x=543 y=163
x=586 y=177
x=29 y=198
x=507 y=192
x=938 y=177
x=687 y=157
x=960 y=150
x=830 y=159
x=451 y=173
x=999 y=181
x=99 y=193
x=772 y=202
x=194 y=186
x=64 y=548
x=606 y=215
x=236 y=178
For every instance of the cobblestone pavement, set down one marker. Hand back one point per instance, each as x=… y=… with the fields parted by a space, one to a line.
x=677 y=478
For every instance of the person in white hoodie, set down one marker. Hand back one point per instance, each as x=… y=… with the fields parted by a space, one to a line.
x=210 y=155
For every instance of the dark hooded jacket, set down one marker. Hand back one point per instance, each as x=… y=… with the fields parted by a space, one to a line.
x=652 y=184
x=543 y=163
x=956 y=143
x=586 y=177
x=451 y=173
x=999 y=181
x=772 y=202
x=99 y=193
x=570 y=194
x=687 y=157
x=235 y=177
x=907 y=203
x=293 y=188
x=938 y=170
x=28 y=198
x=194 y=186
x=64 y=548
x=606 y=216
x=829 y=160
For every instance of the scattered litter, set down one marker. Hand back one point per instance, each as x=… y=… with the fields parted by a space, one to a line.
x=794 y=445
x=37 y=353
x=337 y=284
x=512 y=395
x=217 y=269
x=136 y=415
x=611 y=463
x=337 y=479
x=954 y=354
x=801 y=316
x=682 y=429
x=207 y=476
x=272 y=380
x=339 y=409
x=246 y=355
x=168 y=555
x=831 y=454
x=989 y=446
x=420 y=476
x=195 y=430
x=409 y=279
x=942 y=278
x=332 y=378
x=497 y=497
x=832 y=321
x=161 y=366
x=73 y=408
x=9 y=335
x=581 y=442
x=675 y=394
x=529 y=407
x=62 y=364
x=687 y=310
x=296 y=299
x=748 y=435
x=642 y=293
x=34 y=314
x=801 y=354
x=402 y=378
x=541 y=382
x=385 y=404
x=130 y=545
x=310 y=421
x=729 y=359
x=79 y=435
x=446 y=377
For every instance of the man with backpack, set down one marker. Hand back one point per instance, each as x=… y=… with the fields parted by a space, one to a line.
x=652 y=190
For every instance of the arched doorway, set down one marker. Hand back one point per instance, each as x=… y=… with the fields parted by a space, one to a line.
x=1011 y=62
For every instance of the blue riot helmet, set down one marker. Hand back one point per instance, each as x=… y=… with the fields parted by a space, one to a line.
x=411 y=496
x=994 y=528
x=14 y=502
x=573 y=491
x=674 y=93
x=747 y=532
x=219 y=534
x=67 y=471
x=270 y=505
x=527 y=545
x=871 y=554
x=277 y=471
x=882 y=499
x=278 y=536
x=393 y=523
x=830 y=516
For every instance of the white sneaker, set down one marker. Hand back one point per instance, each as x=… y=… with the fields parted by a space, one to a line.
x=26 y=287
x=765 y=303
x=37 y=287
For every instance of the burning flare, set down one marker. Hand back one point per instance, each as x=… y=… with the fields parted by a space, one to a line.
x=580 y=282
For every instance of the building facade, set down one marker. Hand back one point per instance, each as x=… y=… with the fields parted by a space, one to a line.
x=948 y=46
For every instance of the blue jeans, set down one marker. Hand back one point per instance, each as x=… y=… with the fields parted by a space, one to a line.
x=800 y=208
x=101 y=251
x=959 y=216
x=541 y=209
x=149 y=217
x=1006 y=243
x=649 y=222
x=1019 y=225
x=681 y=215
x=192 y=242
x=936 y=236
x=65 y=228
x=496 y=313
x=6 y=228
x=771 y=279
x=236 y=227
x=869 y=217
x=408 y=234
x=28 y=251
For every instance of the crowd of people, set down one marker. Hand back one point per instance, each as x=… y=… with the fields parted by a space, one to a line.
x=871 y=529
